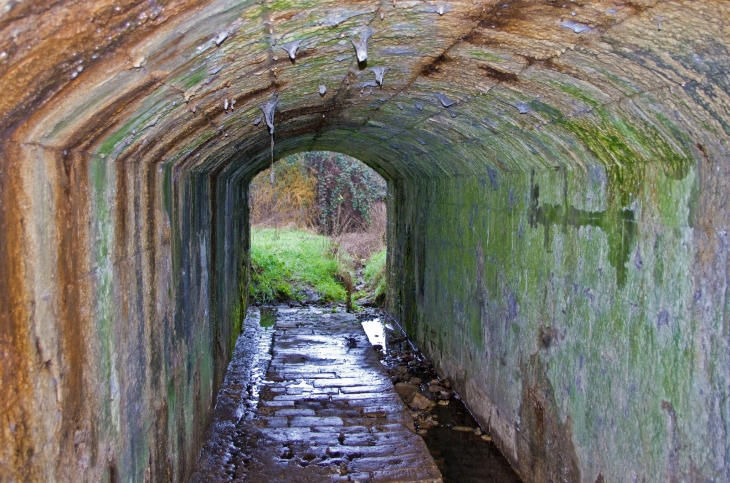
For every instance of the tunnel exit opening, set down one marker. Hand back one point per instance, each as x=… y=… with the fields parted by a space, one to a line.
x=318 y=232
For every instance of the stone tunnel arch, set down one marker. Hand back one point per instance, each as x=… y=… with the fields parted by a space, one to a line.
x=558 y=231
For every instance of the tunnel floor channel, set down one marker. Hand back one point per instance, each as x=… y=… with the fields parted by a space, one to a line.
x=307 y=399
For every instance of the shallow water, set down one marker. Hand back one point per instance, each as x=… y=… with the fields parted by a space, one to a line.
x=462 y=456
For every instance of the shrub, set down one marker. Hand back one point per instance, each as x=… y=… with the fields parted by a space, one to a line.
x=329 y=192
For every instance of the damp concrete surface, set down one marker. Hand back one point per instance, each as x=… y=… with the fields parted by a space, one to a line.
x=315 y=394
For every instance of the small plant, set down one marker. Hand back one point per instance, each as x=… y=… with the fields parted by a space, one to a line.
x=375 y=276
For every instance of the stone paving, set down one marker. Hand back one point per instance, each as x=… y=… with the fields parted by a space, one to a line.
x=327 y=413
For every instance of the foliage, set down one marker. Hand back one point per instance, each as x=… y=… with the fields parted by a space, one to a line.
x=286 y=263
x=346 y=190
x=330 y=192
x=374 y=273
x=290 y=200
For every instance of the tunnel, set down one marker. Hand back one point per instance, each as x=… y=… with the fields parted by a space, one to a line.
x=557 y=203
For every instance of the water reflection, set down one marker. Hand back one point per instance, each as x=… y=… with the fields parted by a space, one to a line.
x=375 y=330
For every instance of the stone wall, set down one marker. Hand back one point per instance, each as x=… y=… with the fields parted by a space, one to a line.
x=589 y=336
x=135 y=303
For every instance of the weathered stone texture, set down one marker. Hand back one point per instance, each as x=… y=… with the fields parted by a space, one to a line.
x=558 y=192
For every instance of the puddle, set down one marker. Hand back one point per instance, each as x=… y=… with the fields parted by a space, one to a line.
x=268 y=316
x=375 y=330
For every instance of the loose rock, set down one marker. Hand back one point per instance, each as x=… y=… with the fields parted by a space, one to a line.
x=422 y=403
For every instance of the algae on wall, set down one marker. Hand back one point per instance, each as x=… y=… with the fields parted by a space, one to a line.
x=566 y=319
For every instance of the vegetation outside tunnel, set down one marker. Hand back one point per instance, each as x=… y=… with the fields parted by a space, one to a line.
x=315 y=229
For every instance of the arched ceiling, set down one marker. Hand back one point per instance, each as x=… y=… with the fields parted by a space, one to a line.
x=512 y=84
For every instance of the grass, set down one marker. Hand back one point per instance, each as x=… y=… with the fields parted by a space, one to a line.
x=286 y=262
x=374 y=273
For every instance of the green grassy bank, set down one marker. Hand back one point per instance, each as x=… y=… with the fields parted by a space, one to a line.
x=290 y=264
x=286 y=263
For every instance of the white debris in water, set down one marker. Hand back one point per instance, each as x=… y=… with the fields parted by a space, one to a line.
x=379 y=74
x=575 y=26
x=400 y=106
x=360 y=42
x=322 y=89
x=220 y=38
x=418 y=106
x=445 y=100
x=257 y=121
x=291 y=48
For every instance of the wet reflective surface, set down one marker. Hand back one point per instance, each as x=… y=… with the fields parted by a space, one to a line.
x=308 y=399
x=375 y=330
x=222 y=455
x=463 y=453
x=327 y=411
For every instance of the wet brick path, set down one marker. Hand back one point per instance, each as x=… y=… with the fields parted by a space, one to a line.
x=327 y=411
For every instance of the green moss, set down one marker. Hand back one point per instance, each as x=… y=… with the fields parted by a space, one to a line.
x=619 y=226
x=115 y=138
x=238 y=314
x=191 y=78
x=625 y=147
x=575 y=93
x=167 y=189
x=281 y=5
x=543 y=108
x=103 y=234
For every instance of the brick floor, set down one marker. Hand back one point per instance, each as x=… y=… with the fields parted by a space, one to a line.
x=327 y=413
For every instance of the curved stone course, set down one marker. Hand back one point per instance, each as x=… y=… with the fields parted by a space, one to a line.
x=557 y=217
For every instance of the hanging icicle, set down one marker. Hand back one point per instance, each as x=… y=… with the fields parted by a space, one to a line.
x=291 y=48
x=269 y=109
x=360 y=42
x=379 y=73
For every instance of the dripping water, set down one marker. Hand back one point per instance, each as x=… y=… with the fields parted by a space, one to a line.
x=269 y=109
